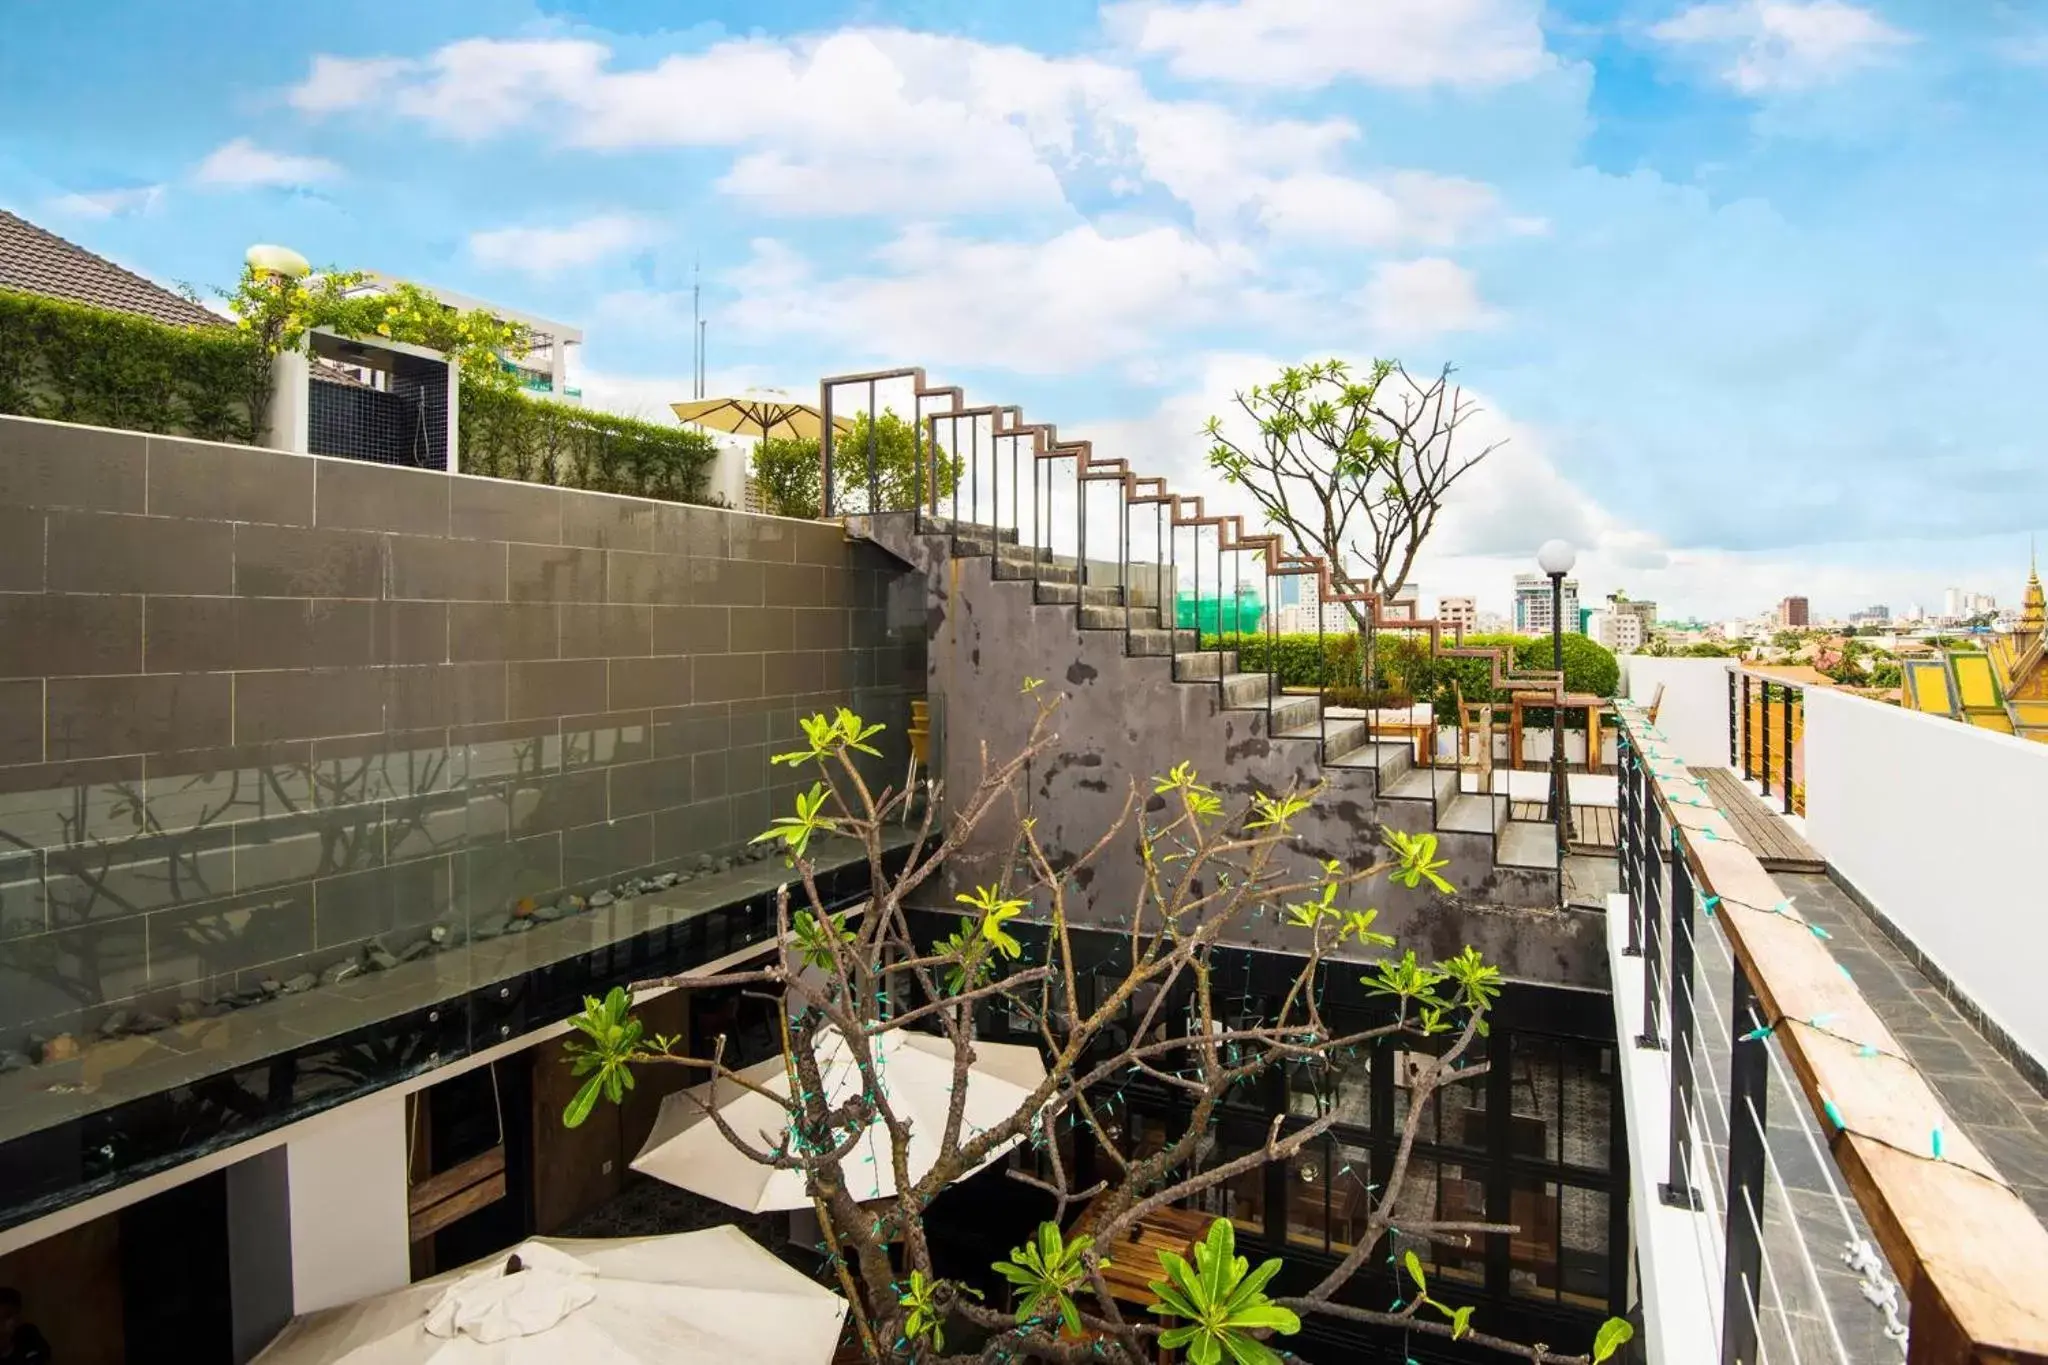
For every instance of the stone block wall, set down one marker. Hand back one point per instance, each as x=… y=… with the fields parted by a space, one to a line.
x=262 y=711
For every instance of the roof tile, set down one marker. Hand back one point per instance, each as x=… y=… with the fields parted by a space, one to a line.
x=35 y=261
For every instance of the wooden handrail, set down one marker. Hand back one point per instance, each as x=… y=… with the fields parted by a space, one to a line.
x=1970 y=1256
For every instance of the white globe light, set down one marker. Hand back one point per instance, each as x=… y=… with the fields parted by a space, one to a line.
x=277 y=260
x=1557 y=557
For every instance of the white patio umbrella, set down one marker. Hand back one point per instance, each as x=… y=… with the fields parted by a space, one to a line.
x=915 y=1069
x=710 y=1296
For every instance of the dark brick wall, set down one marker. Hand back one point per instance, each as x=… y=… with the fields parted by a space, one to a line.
x=258 y=708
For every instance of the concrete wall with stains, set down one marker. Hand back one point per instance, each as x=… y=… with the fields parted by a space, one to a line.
x=1125 y=719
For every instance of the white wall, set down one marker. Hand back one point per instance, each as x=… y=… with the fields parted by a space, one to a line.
x=1939 y=825
x=348 y=1205
x=727 y=477
x=1694 y=712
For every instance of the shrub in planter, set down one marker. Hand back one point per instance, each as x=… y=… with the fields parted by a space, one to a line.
x=70 y=363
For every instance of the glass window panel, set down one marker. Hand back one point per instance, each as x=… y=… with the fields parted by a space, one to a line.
x=1532 y=1248
x=1354 y=1087
x=1311 y=1088
x=1143 y=1135
x=1242 y=1198
x=1584 y=1269
x=1350 y=1197
x=1452 y=1192
x=1534 y=1089
x=1588 y=1105
x=1308 y=1196
x=1456 y=1113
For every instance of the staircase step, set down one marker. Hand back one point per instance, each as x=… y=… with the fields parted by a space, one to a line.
x=1434 y=785
x=1390 y=757
x=946 y=526
x=1296 y=713
x=1033 y=554
x=1157 y=643
x=1247 y=691
x=1341 y=737
x=1020 y=571
x=1467 y=813
x=1526 y=843
x=1117 y=618
x=1207 y=665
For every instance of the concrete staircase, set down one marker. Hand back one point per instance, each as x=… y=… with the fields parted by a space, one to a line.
x=1410 y=797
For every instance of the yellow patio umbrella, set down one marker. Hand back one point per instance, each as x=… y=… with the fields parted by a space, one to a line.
x=757 y=412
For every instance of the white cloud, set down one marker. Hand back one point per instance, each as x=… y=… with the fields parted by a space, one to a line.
x=1411 y=206
x=854 y=122
x=1520 y=496
x=545 y=250
x=884 y=121
x=337 y=83
x=242 y=163
x=1048 y=307
x=110 y=203
x=1407 y=44
x=1497 y=515
x=1425 y=297
x=1764 y=45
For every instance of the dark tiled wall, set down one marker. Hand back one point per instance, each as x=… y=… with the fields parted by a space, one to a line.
x=258 y=708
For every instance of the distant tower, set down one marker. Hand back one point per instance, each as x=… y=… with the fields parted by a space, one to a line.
x=2033 y=607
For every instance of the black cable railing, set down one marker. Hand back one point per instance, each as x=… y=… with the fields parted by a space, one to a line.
x=1719 y=1082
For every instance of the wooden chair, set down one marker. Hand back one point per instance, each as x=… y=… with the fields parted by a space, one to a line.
x=1475 y=738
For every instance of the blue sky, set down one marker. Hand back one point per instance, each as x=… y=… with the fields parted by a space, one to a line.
x=1754 y=289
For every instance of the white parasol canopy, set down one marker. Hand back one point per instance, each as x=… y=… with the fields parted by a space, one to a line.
x=710 y=1296
x=916 y=1069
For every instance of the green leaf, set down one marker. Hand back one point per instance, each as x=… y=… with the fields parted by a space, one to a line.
x=1221 y=1299
x=1249 y=1350
x=1414 y=1264
x=1461 y=1322
x=583 y=1102
x=1614 y=1334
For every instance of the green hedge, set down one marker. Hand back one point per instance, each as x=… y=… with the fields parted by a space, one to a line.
x=1293 y=657
x=505 y=435
x=1405 y=667
x=70 y=363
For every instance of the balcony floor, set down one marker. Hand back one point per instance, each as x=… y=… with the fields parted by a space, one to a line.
x=1996 y=1105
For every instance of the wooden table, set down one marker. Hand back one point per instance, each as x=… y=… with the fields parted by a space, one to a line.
x=1593 y=706
x=1134 y=1257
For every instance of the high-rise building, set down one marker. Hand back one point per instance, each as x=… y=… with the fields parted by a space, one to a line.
x=1955 y=602
x=1299 y=602
x=1792 y=612
x=1458 y=614
x=1619 y=631
x=1532 y=603
x=1645 y=613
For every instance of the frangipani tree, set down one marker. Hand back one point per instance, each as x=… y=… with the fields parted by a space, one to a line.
x=858 y=977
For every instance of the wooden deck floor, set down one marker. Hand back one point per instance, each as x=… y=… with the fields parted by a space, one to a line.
x=1767 y=836
x=1593 y=829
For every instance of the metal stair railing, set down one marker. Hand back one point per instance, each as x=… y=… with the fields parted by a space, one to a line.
x=974 y=468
